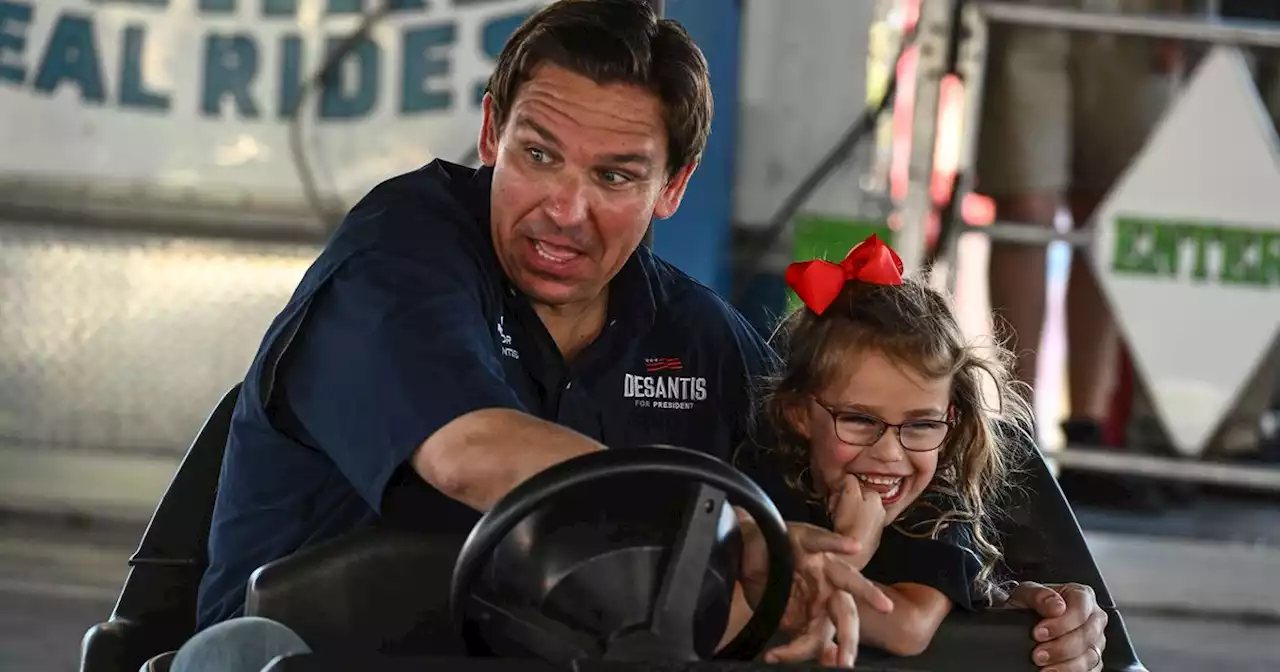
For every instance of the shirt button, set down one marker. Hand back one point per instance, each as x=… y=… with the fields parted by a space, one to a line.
x=613 y=321
x=568 y=385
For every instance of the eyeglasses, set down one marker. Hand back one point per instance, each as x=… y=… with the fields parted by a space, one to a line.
x=860 y=429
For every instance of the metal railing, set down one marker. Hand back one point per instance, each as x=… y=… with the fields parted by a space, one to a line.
x=941 y=24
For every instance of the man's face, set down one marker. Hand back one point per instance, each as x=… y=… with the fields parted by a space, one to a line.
x=579 y=171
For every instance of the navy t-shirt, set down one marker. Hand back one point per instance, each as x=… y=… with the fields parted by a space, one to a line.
x=914 y=549
x=944 y=563
x=405 y=322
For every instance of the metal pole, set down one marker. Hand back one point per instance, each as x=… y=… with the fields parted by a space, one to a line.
x=971 y=53
x=1237 y=33
x=660 y=8
x=934 y=31
x=1101 y=459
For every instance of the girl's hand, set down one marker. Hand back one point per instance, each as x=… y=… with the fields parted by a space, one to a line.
x=830 y=638
x=821 y=617
x=857 y=513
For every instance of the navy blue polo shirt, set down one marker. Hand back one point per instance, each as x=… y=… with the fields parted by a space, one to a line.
x=405 y=322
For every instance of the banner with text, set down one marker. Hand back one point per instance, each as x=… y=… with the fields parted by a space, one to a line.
x=197 y=95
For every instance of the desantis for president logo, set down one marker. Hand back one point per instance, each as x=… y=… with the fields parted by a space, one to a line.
x=674 y=392
x=507 y=350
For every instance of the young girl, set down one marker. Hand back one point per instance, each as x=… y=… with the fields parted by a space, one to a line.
x=879 y=414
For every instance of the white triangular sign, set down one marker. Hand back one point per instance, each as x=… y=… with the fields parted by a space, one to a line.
x=1187 y=249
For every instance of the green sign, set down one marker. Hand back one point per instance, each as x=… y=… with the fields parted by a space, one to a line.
x=1204 y=251
x=831 y=238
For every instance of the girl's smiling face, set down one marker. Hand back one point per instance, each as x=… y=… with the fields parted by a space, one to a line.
x=875 y=391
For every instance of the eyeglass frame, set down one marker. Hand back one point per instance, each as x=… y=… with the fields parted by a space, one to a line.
x=885 y=425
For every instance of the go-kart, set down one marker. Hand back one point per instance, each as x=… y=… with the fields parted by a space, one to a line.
x=624 y=560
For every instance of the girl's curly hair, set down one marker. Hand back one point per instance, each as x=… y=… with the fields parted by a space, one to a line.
x=913 y=325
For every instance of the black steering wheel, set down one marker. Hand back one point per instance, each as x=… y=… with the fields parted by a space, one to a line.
x=669 y=632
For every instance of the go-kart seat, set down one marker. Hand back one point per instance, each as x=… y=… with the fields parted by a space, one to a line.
x=1043 y=542
x=364 y=591
x=157 y=607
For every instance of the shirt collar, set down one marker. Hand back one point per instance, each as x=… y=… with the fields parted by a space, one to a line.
x=634 y=291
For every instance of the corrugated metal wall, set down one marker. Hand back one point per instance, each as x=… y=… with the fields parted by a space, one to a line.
x=113 y=348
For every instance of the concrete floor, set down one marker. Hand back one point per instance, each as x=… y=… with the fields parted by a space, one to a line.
x=56 y=581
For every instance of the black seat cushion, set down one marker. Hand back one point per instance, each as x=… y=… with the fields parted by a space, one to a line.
x=379 y=589
x=1043 y=542
x=156 y=611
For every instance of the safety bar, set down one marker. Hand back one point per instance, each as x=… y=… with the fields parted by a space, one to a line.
x=1033 y=234
x=1108 y=460
x=1238 y=33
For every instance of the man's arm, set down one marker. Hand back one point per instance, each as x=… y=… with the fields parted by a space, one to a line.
x=397 y=365
x=479 y=457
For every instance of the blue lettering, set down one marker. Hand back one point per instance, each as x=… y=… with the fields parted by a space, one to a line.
x=72 y=55
x=14 y=19
x=279 y=7
x=422 y=61
x=495 y=32
x=493 y=37
x=406 y=5
x=346 y=7
x=337 y=102
x=290 y=76
x=133 y=90
x=218 y=6
x=230 y=65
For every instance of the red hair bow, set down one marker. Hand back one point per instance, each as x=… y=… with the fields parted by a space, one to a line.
x=818 y=282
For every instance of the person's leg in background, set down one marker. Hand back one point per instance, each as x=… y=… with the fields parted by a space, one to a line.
x=244 y=644
x=1062 y=118
x=1023 y=165
x=1122 y=88
x=1093 y=339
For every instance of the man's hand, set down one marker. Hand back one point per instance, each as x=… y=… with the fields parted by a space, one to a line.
x=1071 y=636
x=858 y=514
x=821 y=606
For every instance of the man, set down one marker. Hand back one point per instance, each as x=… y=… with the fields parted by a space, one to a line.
x=464 y=330
x=1064 y=114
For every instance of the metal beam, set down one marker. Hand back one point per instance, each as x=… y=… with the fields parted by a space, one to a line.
x=1019 y=233
x=1260 y=478
x=1237 y=33
x=934 y=34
